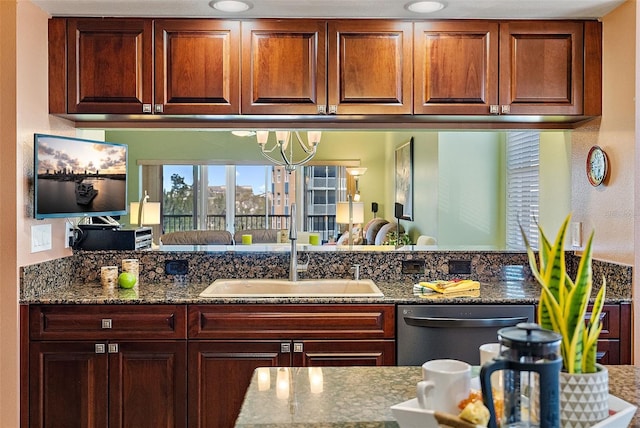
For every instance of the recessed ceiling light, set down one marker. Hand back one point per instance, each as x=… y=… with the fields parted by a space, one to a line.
x=230 y=5
x=424 y=6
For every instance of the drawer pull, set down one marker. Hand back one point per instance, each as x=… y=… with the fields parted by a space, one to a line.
x=106 y=323
x=100 y=349
x=113 y=348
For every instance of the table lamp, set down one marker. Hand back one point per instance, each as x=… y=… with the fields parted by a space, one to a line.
x=349 y=213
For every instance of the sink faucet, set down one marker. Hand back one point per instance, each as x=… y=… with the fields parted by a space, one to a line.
x=355 y=269
x=293 y=236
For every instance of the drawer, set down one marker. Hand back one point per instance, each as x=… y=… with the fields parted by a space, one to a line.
x=292 y=321
x=610 y=318
x=62 y=322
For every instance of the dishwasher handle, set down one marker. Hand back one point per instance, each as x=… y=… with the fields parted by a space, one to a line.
x=463 y=322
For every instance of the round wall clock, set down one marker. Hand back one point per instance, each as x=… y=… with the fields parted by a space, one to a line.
x=597 y=166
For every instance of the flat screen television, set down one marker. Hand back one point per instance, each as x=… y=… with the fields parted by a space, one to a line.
x=75 y=177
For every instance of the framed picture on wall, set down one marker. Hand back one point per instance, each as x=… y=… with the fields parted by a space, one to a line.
x=404 y=178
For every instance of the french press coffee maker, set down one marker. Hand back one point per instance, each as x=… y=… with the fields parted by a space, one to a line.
x=530 y=362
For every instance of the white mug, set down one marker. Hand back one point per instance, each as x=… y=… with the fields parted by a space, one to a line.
x=445 y=384
x=488 y=352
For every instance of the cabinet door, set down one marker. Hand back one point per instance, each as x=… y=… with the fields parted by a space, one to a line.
x=541 y=67
x=325 y=353
x=109 y=65
x=148 y=384
x=370 y=67
x=220 y=373
x=456 y=67
x=68 y=385
x=283 y=67
x=197 y=66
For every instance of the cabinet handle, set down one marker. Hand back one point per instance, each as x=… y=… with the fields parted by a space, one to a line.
x=99 y=348
x=146 y=108
x=285 y=348
x=506 y=109
x=113 y=348
x=322 y=109
x=333 y=109
x=298 y=347
x=158 y=108
x=494 y=109
x=106 y=323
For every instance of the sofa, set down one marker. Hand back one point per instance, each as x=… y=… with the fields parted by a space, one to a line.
x=258 y=236
x=197 y=237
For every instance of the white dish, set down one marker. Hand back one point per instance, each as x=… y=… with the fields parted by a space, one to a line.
x=410 y=415
x=622 y=414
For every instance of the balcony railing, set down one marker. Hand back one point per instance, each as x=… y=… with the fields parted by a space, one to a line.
x=323 y=224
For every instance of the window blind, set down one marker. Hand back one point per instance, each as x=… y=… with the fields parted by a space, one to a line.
x=523 y=161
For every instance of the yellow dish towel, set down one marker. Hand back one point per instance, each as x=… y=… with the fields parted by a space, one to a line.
x=453 y=286
x=436 y=296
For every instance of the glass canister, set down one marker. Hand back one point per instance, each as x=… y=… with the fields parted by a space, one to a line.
x=530 y=362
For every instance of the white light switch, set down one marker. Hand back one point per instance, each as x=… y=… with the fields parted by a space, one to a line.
x=40 y=237
x=576 y=234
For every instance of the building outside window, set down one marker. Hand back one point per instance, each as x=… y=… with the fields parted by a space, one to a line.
x=240 y=197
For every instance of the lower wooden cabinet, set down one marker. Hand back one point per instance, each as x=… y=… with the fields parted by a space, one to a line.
x=614 y=343
x=98 y=366
x=220 y=368
x=172 y=366
x=220 y=371
x=119 y=384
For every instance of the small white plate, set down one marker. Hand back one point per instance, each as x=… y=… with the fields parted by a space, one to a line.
x=409 y=414
x=622 y=414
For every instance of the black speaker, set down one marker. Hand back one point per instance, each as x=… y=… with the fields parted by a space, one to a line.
x=399 y=210
x=374 y=207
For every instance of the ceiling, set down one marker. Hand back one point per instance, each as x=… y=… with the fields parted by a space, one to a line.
x=481 y=9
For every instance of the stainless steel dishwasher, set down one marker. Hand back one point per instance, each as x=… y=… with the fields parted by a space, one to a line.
x=427 y=332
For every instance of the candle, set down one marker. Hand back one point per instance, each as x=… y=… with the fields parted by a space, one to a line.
x=314 y=239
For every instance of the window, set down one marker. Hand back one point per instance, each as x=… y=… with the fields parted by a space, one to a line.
x=523 y=161
x=239 y=197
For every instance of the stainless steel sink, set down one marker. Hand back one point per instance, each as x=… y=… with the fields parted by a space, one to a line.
x=285 y=288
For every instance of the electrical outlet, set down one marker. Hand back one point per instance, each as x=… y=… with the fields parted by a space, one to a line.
x=176 y=267
x=460 y=267
x=412 y=266
x=68 y=234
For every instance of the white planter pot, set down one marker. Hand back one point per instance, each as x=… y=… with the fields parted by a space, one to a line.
x=584 y=398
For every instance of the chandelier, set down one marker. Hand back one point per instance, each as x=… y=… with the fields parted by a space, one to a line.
x=284 y=148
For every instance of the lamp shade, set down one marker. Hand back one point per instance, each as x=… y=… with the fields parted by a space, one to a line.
x=342 y=212
x=150 y=213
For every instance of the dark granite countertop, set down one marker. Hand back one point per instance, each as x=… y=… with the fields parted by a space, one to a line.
x=512 y=292
x=361 y=397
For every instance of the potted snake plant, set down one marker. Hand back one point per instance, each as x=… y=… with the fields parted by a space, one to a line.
x=562 y=308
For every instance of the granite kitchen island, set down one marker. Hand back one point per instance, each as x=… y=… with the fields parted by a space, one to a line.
x=357 y=397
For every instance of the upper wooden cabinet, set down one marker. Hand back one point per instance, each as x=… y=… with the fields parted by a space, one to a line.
x=319 y=67
x=456 y=67
x=197 y=66
x=110 y=67
x=370 y=67
x=287 y=67
x=541 y=67
x=515 y=67
x=283 y=67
